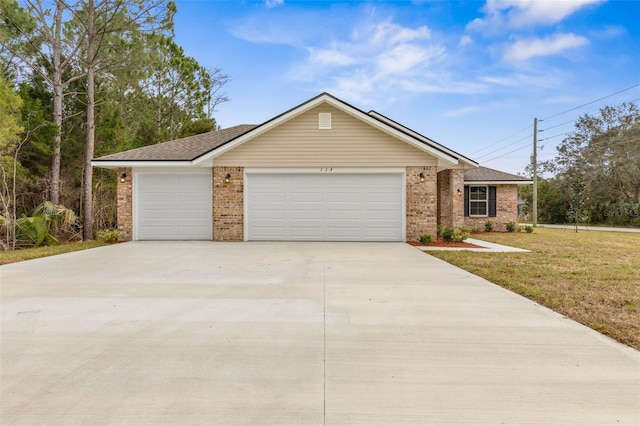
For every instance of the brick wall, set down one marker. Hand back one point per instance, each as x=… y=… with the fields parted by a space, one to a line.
x=421 y=202
x=506 y=209
x=125 y=205
x=228 y=204
x=450 y=202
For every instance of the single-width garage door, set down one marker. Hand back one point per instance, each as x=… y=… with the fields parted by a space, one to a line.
x=173 y=206
x=325 y=207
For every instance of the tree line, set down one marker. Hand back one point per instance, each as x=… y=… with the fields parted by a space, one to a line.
x=596 y=173
x=85 y=78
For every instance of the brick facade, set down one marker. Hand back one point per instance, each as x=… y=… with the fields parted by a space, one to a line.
x=506 y=209
x=421 y=202
x=450 y=201
x=125 y=204
x=228 y=204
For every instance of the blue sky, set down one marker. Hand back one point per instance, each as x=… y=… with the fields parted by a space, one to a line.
x=471 y=75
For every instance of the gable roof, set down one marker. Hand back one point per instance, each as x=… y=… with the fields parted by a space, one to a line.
x=487 y=175
x=200 y=150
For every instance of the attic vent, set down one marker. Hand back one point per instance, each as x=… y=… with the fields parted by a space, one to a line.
x=324 y=121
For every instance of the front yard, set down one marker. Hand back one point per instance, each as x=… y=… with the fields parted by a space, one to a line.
x=7 y=257
x=591 y=277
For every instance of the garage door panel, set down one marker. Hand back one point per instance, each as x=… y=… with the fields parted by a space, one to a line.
x=326 y=207
x=344 y=214
x=306 y=197
x=173 y=206
x=342 y=233
x=267 y=214
x=304 y=232
x=315 y=214
x=267 y=232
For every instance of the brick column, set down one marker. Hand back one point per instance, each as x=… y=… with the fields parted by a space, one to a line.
x=125 y=204
x=228 y=204
x=450 y=202
x=421 y=201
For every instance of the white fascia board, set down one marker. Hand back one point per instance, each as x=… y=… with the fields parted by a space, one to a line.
x=499 y=182
x=118 y=164
x=391 y=130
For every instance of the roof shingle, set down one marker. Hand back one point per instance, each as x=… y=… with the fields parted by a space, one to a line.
x=485 y=174
x=185 y=149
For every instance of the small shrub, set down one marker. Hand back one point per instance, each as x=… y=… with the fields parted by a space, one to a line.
x=475 y=230
x=488 y=226
x=448 y=234
x=528 y=229
x=440 y=230
x=460 y=235
x=108 y=236
x=511 y=227
x=425 y=239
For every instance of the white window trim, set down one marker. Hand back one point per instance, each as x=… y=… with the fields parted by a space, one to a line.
x=486 y=201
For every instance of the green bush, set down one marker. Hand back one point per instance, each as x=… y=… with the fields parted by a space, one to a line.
x=440 y=230
x=108 y=236
x=448 y=234
x=425 y=239
x=528 y=229
x=511 y=227
x=460 y=235
x=475 y=230
x=488 y=226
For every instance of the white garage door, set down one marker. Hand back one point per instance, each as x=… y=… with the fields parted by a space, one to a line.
x=325 y=207
x=173 y=206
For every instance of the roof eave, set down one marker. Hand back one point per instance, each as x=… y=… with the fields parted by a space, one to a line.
x=498 y=182
x=116 y=164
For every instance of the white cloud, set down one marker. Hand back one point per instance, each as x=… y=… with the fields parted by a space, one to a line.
x=378 y=57
x=273 y=3
x=525 y=49
x=465 y=41
x=509 y=14
x=388 y=33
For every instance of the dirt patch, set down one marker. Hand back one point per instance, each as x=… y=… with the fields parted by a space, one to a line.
x=441 y=243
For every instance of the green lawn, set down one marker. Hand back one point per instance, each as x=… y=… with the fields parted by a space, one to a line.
x=36 y=252
x=592 y=277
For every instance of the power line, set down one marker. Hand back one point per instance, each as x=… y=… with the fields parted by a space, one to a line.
x=558 y=125
x=592 y=102
x=554 y=136
x=506 y=146
x=528 y=145
x=502 y=140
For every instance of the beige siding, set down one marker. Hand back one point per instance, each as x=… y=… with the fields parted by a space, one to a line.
x=349 y=143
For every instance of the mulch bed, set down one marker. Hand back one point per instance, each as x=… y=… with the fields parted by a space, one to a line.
x=442 y=243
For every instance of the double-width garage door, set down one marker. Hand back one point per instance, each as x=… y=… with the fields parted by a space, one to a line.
x=173 y=206
x=325 y=207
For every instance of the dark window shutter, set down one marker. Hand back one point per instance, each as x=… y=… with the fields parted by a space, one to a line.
x=466 y=201
x=492 y=200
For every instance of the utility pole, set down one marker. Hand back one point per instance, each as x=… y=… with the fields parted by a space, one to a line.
x=534 y=160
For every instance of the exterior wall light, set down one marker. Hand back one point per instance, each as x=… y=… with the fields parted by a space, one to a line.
x=459 y=192
x=123 y=178
x=421 y=177
x=227 y=178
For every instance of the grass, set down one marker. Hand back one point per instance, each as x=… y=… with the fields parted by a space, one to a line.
x=37 y=252
x=592 y=277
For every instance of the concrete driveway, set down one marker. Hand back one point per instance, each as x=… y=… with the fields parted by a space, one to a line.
x=201 y=333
